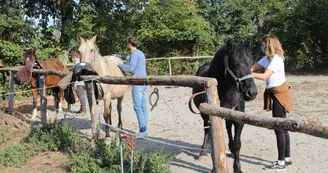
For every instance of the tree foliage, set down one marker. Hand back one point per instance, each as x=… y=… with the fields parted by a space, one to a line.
x=177 y=25
x=165 y=27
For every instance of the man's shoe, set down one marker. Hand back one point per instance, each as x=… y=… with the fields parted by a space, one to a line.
x=275 y=167
x=141 y=135
x=81 y=111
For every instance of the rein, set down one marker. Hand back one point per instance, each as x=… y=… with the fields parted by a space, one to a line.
x=238 y=80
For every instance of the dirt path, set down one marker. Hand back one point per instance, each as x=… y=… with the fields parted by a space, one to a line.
x=172 y=123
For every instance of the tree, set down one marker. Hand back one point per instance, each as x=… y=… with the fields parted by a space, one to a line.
x=13 y=33
x=47 y=9
x=177 y=31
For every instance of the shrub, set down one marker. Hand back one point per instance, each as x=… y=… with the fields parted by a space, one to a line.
x=17 y=155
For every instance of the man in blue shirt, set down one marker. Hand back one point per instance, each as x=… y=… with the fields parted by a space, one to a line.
x=137 y=67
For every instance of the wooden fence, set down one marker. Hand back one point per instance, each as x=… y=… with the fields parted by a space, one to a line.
x=219 y=160
x=212 y=108
x=168 y=59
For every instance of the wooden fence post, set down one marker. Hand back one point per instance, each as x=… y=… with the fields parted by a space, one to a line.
x=11 y=91
x=219 y=159
x=170 y=68
x=43 y=100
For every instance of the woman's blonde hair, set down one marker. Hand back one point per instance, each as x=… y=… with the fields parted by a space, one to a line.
x=273 y=46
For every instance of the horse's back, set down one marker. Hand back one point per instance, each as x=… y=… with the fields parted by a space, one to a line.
x=52 y=64
x=203 y=70
x=105 y=66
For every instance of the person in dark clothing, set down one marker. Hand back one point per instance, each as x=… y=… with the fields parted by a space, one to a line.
x=79 y=86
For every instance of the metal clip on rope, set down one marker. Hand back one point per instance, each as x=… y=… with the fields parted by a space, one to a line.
x=156 y=92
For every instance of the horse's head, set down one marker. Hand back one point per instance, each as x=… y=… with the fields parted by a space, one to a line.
x=29 y=56
x=238 y=62
x=88 y=49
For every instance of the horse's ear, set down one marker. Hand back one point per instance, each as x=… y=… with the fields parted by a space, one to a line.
x=33 y=51
x=93 y=39
x=230 y=45
x=80 y=39
x=23 y=52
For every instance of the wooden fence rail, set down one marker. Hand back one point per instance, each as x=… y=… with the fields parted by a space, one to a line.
x=293 y=125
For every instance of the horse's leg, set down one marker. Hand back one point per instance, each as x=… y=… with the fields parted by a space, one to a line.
x=107 y=115
x=207 y=138
x=60 y=99
x=35 y=95
x=119 y=110
x=57 y=101
x=56 y=95
x=237 y=140
x=237 y=145
x=231 y=140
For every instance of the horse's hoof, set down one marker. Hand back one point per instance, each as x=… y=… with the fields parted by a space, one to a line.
x=238 y=171
x=237 y=168
x=202 y=156
x=230 y=155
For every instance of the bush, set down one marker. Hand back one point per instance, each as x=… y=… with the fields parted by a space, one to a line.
x=59 y=137
x=17 y=155
x=83 y=158
x=106 y=158
x=179 y=66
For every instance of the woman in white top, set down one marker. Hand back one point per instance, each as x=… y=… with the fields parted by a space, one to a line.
x=277 y=91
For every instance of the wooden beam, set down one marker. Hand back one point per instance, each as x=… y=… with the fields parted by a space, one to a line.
x=41 y=71
x=294 y=125
x=182 y=80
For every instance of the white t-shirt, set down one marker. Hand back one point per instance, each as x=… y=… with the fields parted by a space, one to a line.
x=278 y=67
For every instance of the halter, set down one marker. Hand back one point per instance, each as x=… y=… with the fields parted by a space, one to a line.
x=238 y=80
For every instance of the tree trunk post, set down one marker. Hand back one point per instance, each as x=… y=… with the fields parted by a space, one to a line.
x=219 y=159
x=43 y=100
x=11 y=91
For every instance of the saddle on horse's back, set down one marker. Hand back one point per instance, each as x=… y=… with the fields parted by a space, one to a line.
x=86 y=69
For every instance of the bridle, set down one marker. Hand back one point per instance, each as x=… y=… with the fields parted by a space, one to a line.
x=238 y=80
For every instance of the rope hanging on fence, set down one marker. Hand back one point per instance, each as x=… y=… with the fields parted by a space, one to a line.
x=156 y=92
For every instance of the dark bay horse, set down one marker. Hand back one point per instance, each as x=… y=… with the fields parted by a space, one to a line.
x=50 y=82
x=231 y=67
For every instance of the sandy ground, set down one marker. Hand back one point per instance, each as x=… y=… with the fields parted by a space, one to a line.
x=176 y=127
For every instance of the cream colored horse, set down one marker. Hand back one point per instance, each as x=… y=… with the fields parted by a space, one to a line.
x=104 y=67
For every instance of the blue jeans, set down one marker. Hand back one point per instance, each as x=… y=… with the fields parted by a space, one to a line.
x=139 y=103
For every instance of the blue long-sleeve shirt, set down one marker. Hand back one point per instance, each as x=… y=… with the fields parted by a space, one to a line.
x=137 y=64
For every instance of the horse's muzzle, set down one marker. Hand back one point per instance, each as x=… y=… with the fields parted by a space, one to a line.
x=250 y=94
